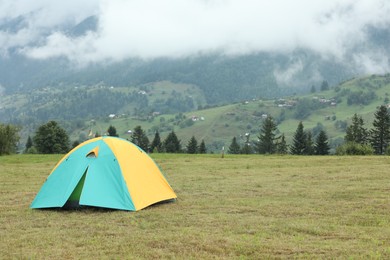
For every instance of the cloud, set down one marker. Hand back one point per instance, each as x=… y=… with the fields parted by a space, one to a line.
x=175 y=28
x=27 y=23
x=47 y=13
x=372 y=62
x=284 y=77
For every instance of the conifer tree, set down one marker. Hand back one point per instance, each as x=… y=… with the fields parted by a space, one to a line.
x=29 y=144
x=192 y=146
x=356 y=132
x=112 y=131
x=267 y=137
x=309 y=145
x=172 y=144
x=202 y=147
x=140 y=138
x=299 y=141
x=234 y=147
x=281 y=146
x=324 y=85
x=247 y=148
x=156 y=145
x=380 y=134
x=322 y=146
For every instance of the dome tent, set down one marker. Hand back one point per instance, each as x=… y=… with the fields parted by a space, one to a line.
x=106 y=172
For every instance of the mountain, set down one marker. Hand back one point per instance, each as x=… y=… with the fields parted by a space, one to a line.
x=222 y=78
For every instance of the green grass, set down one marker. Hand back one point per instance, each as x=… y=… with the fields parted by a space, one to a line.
x=248 y=207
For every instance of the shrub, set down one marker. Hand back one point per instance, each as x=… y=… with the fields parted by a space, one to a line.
x=352 y=148
x=32 y=150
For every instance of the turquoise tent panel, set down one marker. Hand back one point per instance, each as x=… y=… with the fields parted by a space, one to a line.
x=60 y=184
x=63 y=180
x=104 y=185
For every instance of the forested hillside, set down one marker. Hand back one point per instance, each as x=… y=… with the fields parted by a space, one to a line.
x=222 y=79
x=329 y=110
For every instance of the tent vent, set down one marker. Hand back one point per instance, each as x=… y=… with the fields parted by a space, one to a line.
x=93 y=153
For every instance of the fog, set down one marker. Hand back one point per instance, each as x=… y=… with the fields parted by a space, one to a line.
x=174 y=28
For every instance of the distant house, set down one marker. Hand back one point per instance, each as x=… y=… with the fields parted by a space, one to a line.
x=111 y=116
x=195 y=118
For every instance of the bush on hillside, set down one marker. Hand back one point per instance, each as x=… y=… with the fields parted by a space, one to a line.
x=352 y=148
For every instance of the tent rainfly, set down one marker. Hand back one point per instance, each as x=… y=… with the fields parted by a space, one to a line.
x=106 y=172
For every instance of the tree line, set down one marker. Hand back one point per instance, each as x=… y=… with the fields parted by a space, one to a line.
x=269 y=142
x=359 y=140
x=50 y=138
x=171 y=144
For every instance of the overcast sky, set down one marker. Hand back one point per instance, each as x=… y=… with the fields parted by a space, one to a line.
x=177 y=28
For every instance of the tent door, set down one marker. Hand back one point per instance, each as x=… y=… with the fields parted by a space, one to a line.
x=74 y=198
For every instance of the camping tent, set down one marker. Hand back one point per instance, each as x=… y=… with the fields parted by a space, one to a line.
x=107 y=172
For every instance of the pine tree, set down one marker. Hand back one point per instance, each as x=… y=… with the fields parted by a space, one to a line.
x=112 y=131
x=356 y=132
x=140 y=139
x=309 y=145
x=202 y=147
x=267 y=137
x=156 y=145
x=247 y=148
x=192 y=146
x=29 y=144
x=322 y=146
x=172 y=144
x=281 y=146
x=299 y=141
x=234 y=147
x=380 y=134
x=324 y=85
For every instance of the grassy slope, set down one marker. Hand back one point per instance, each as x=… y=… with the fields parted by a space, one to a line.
x=237 y=207
x=222 y=123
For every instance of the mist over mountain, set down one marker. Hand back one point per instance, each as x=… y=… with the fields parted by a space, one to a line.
x=232 y=50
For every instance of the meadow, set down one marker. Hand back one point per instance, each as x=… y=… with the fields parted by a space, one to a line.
x=237 y=207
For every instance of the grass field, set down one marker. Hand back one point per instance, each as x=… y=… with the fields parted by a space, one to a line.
x=245 y=207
